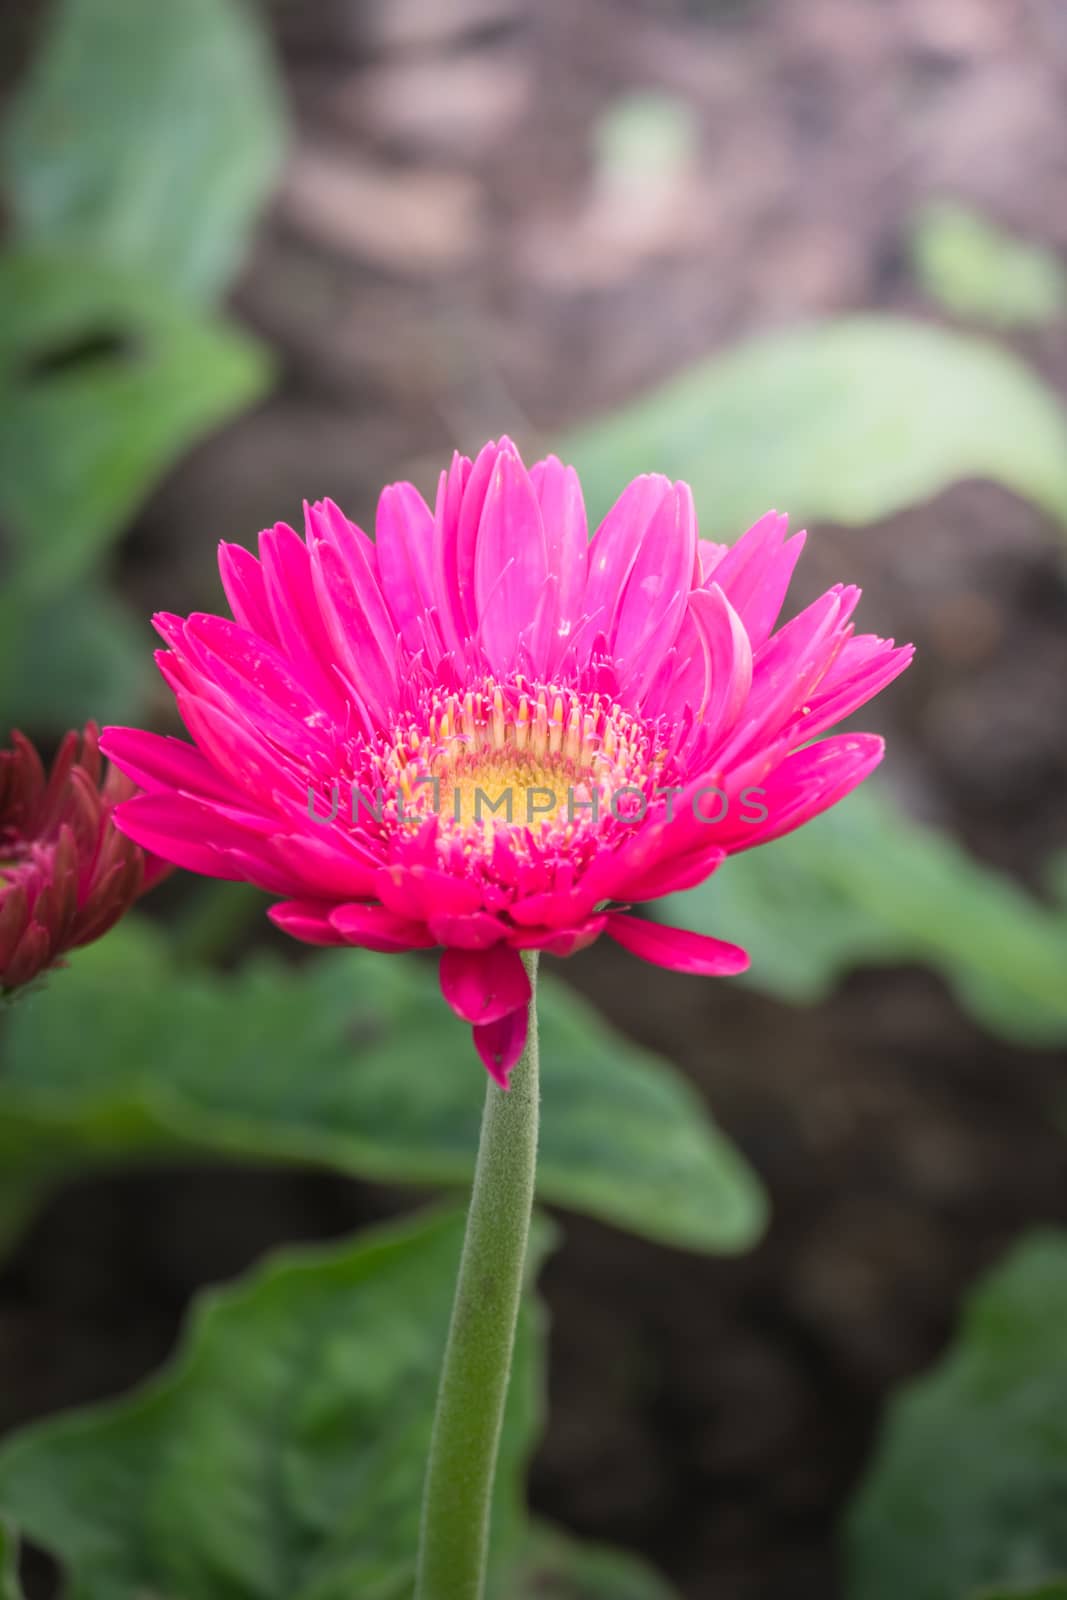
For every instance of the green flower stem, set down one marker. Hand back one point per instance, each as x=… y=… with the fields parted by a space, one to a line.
x=454 y=1540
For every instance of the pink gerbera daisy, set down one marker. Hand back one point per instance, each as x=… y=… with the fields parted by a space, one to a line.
x=487 y=732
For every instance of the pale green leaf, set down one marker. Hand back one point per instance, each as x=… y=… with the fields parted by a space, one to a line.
x=848 y=421
x=558 y=1568
x=968 y=1488
x=644 y=136
x=25 y=1183
x=974 y=269
x=864 y=884
x=1054 y=1589
x=281 y=1455
x=10 y=1588
x=82 y=656
x=147 y=136
x=104 y=382
x=351 y=1061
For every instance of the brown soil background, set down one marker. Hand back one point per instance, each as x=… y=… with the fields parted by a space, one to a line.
x=443 y=263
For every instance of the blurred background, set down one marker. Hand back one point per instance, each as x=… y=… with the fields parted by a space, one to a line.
x=805 y=256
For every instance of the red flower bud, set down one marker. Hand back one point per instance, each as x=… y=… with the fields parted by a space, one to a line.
x=66 y=873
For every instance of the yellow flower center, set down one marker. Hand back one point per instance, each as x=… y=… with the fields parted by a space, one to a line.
x=520 y=757
x=508 y=786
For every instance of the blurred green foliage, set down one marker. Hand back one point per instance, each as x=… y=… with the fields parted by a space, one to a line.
x=281 y=1453
x=73 y=661
x=558 y=1568
x=10 y=1588
x=864 y=884
x=844 y=421
x=104 y=383
x=136 y=154
x=1055 y=1589
x=146 y=137
x=968 y=1489
x=347 y=1061
x=977 y=271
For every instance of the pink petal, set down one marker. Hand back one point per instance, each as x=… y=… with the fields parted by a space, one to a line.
x=673 y=873
x=559 y=941
x=242 y=582
x=510 y=564
x=729 y=656
x=329 y=865
x=650 y=864
x=654 y=599
x=501 y=1043
x=807 y=783
x=553 y=907
x=787 y=669
x=307 y=920
x=207 y=837
x=754 y=574
x=175 y=828
x=158 y=762
x=865 y=666
x=177 y=674
x=559 y=494
x=404 y=532
x=449 y=601
x=376 y=928
x=250 y=763
x=708 y=557
x=684 y=676
x=258 y=682
x=484 y=985
x=297 y=618
x=421 y=891
x=477 y=930
x=361 y=631
x=456 y=520
x=469 y=523
x=254 y=863
x=676 y=948
x=616 y=544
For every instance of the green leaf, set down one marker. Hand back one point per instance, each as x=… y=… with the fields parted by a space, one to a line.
x=350 y=1061
x=104 y=382
x=10 y=1588
x=849 y=420
x=81 y=656
x=147 y=137
x=864 y=884
x=25 y=1183
x=644 y=136
x=558 y=1568
x=969 y=1484
x=974 y=269
x=282 y=1453
x=1054 y=1589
